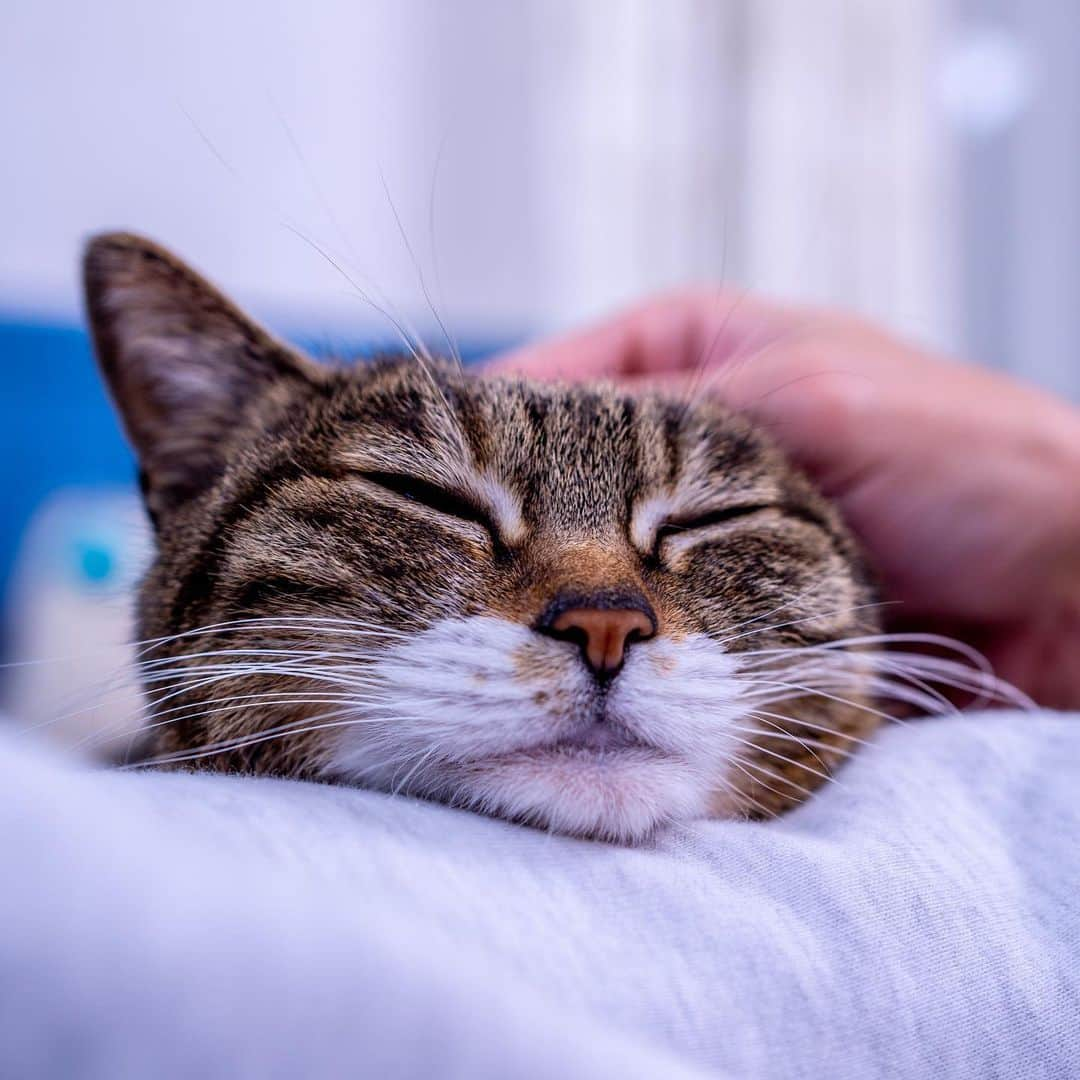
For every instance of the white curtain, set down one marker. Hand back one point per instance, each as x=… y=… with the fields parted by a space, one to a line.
x=549 y=159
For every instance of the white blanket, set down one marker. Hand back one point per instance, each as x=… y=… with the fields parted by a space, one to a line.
x=920 y=919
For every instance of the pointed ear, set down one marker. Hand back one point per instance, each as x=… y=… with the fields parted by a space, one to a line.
x=183 y=364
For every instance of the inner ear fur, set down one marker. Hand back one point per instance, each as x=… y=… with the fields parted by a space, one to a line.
x=182 y=362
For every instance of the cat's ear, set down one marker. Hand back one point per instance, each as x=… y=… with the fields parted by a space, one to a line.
x=183 y=364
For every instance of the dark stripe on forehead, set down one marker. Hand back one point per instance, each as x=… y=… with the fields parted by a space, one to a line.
x=199 y=582
x=422 y=412
x=629 y=424
x=628 y=410
x=537 y=408
x=671 y=432
x=469 y=417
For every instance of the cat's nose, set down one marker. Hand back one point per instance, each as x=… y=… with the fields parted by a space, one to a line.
x=603 y=628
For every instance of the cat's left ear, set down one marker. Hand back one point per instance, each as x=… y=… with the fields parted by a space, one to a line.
x=184 y=365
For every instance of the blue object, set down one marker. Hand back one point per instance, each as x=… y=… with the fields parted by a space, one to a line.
x=96 y=561
x=58 y=429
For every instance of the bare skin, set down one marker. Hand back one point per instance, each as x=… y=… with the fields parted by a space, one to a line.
x=964 y=485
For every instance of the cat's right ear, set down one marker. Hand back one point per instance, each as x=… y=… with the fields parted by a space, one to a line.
x=183 y=363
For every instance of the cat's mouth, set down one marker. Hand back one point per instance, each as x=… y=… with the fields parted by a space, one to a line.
x=601 y=780
x=595 y=742
x=599 y=736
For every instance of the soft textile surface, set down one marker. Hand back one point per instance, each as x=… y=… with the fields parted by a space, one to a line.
x=922 y=920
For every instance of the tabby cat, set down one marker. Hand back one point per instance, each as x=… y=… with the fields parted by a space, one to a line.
x=566 y=606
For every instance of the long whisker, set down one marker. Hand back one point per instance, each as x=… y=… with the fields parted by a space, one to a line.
x=245 y=741
x=455 y=351
x=790 y=761
x=831 y=697
x=799 y=598
x=416 y=348
x=781 y=733
x=420 y=353
x=813 y=727
x=938 y=640
x=805 y=619
x=932 y=703
x=153 y=668
x=757 y=767
x=419 y=269
x=745 y=796
x=229 y=704
x=296 y=727
x=879 y=672
x=702 y=365
x=397 y=788
x=150 y=666
x=807 y=743
x=327 y=624
x=742 y=766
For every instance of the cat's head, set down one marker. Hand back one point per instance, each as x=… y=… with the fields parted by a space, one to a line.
x=562 y=605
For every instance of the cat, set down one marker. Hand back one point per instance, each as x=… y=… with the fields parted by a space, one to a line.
x=571 y=607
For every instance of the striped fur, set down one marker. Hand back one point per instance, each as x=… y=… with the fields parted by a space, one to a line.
x=404 y=524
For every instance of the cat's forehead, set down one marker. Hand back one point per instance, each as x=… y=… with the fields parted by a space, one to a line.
x=574 y=456
x=522 y=428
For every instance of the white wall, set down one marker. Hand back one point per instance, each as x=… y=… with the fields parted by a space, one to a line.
x=109 y=104
x=580 y=153
x=576 y=154
x=1020 y=153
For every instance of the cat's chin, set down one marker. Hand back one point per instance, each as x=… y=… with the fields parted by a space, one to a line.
x=618 y=794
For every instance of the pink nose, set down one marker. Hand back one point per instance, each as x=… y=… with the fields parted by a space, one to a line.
x=603 y=633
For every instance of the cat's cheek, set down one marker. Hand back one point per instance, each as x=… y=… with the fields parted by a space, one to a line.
x=462 y=690
x=683 y=696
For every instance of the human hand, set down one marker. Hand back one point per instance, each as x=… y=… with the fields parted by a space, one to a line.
x=963 y=485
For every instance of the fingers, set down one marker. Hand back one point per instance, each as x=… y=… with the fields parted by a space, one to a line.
x=813 y=404
x=680 y=332
x=758 y=357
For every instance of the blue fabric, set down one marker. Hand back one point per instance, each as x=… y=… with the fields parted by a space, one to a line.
x=57 y=428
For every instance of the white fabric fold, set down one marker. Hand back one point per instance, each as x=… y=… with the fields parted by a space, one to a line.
x=920 y=918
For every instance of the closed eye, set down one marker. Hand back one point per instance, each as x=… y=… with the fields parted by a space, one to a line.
x=451 y=503
x=705 y=521
x=679 y=526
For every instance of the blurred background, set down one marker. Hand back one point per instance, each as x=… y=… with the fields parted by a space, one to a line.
x=529 y=164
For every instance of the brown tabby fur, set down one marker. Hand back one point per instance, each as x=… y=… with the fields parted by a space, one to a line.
x=256 y=466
